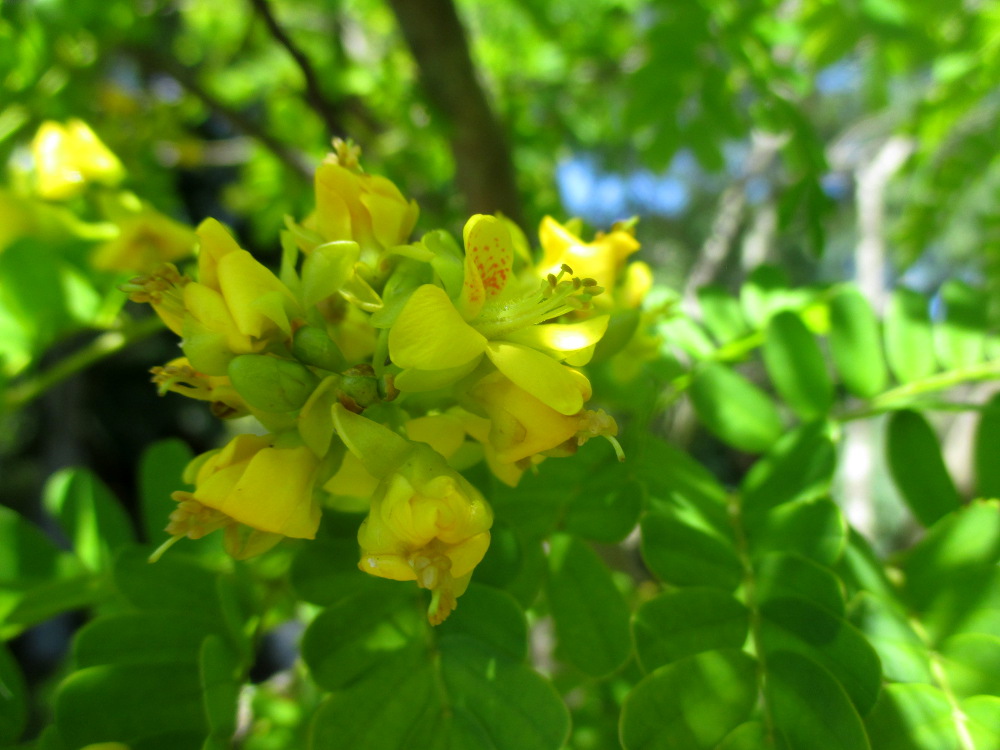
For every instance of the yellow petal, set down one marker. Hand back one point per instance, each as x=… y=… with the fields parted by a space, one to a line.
x=253 y=294
x=275 y=493
x=216 y=242
x=441 y=432
x=563 y=339
x=489 y=247
x=429 y=334
x=421 y=381
x=538 y=374
x=333 y=216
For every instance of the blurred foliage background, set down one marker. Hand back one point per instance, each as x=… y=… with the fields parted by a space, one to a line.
x=837 y=140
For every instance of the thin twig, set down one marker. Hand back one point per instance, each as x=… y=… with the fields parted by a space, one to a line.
x=314 y=92
x=295 y=160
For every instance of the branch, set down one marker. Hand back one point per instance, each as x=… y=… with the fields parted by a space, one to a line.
x=314 y=92
x=150 y=61
x=484 y=168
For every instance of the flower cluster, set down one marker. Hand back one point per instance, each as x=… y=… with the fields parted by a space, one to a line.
x=379 y=368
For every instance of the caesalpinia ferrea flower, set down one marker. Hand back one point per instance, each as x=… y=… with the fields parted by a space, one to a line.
x=437 y=340
x=381 y=370
x=145 y=238
x=427 y=523
x=69 y=156
x=255 y=488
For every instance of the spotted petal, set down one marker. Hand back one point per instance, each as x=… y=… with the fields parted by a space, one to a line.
x=489 y=259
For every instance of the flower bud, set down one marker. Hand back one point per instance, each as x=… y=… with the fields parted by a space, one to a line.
x=314 y=347
x=272 y=384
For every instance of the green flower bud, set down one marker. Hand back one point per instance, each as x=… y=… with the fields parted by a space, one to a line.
x=272 y=384
x=314 y=347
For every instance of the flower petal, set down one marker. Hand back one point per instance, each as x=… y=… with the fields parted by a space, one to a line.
x=429 y=334
x=538 y=374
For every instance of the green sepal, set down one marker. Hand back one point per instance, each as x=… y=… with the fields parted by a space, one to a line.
x=314 y=347
x=272 y=384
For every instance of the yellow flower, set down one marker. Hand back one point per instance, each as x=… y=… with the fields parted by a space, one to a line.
x=146 y=238
x=437 y=341
x=236 y=307
x=69 y=156
x=178 y=376
x=352 y=205
x=601 y=260
x=427 y=523
x=253 y=482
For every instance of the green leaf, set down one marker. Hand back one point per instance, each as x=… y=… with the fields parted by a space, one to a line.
x=798 y=625
x=763 y=293
x=491 y=617
x=681 y=554
x=800 y=466
x=909 y=342
x=814 y=529
x=810 y=710
x=90 y=516
x=692 y=703
x=951 y=569
x=687 y=335
x=782 y=575
x=983 y=720
x=591 y=617
x=796 y=366
x=960 y=337
x=221 y=677
x=735 y=410
x=325 y=571
x=173 y=583
x=141 y=638
x=606 y=516
x=669 y=472
x=904 y=656
x=749 y=736
x=912 y=717
x=160 y=470
x=378 y=715
x=855 y=343
x=917 y=467
x=509 y=705
x=987 y=439
x=129 y=702
x=31 y=289
x=685 y=622
x=375 y=629
x=13 y=699
x=468 y=696
x=971 y=662
x=722 y=314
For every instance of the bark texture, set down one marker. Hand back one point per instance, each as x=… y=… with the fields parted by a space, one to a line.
x=484 y=168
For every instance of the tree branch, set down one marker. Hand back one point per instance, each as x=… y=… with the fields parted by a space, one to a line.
x=150 y=61
x=314 y=92
x=484 y=168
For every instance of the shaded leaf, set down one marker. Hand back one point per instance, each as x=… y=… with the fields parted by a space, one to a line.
x=591 y=617
x=684 y=555
x=686 y=622
x=855 y=343
x=909 y=342
x=796 y=366
x=692 y=703
x=918 y=468
x=735 y=410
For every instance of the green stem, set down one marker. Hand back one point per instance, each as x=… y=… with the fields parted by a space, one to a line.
x=941 y=678
x=735 y=509
x=108 y=343
x=896 y=397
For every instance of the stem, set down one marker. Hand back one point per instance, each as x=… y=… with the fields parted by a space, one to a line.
x=941 y=678
x=314 y=92
x=108 y=343
x=750 y=586
x=891 y=399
